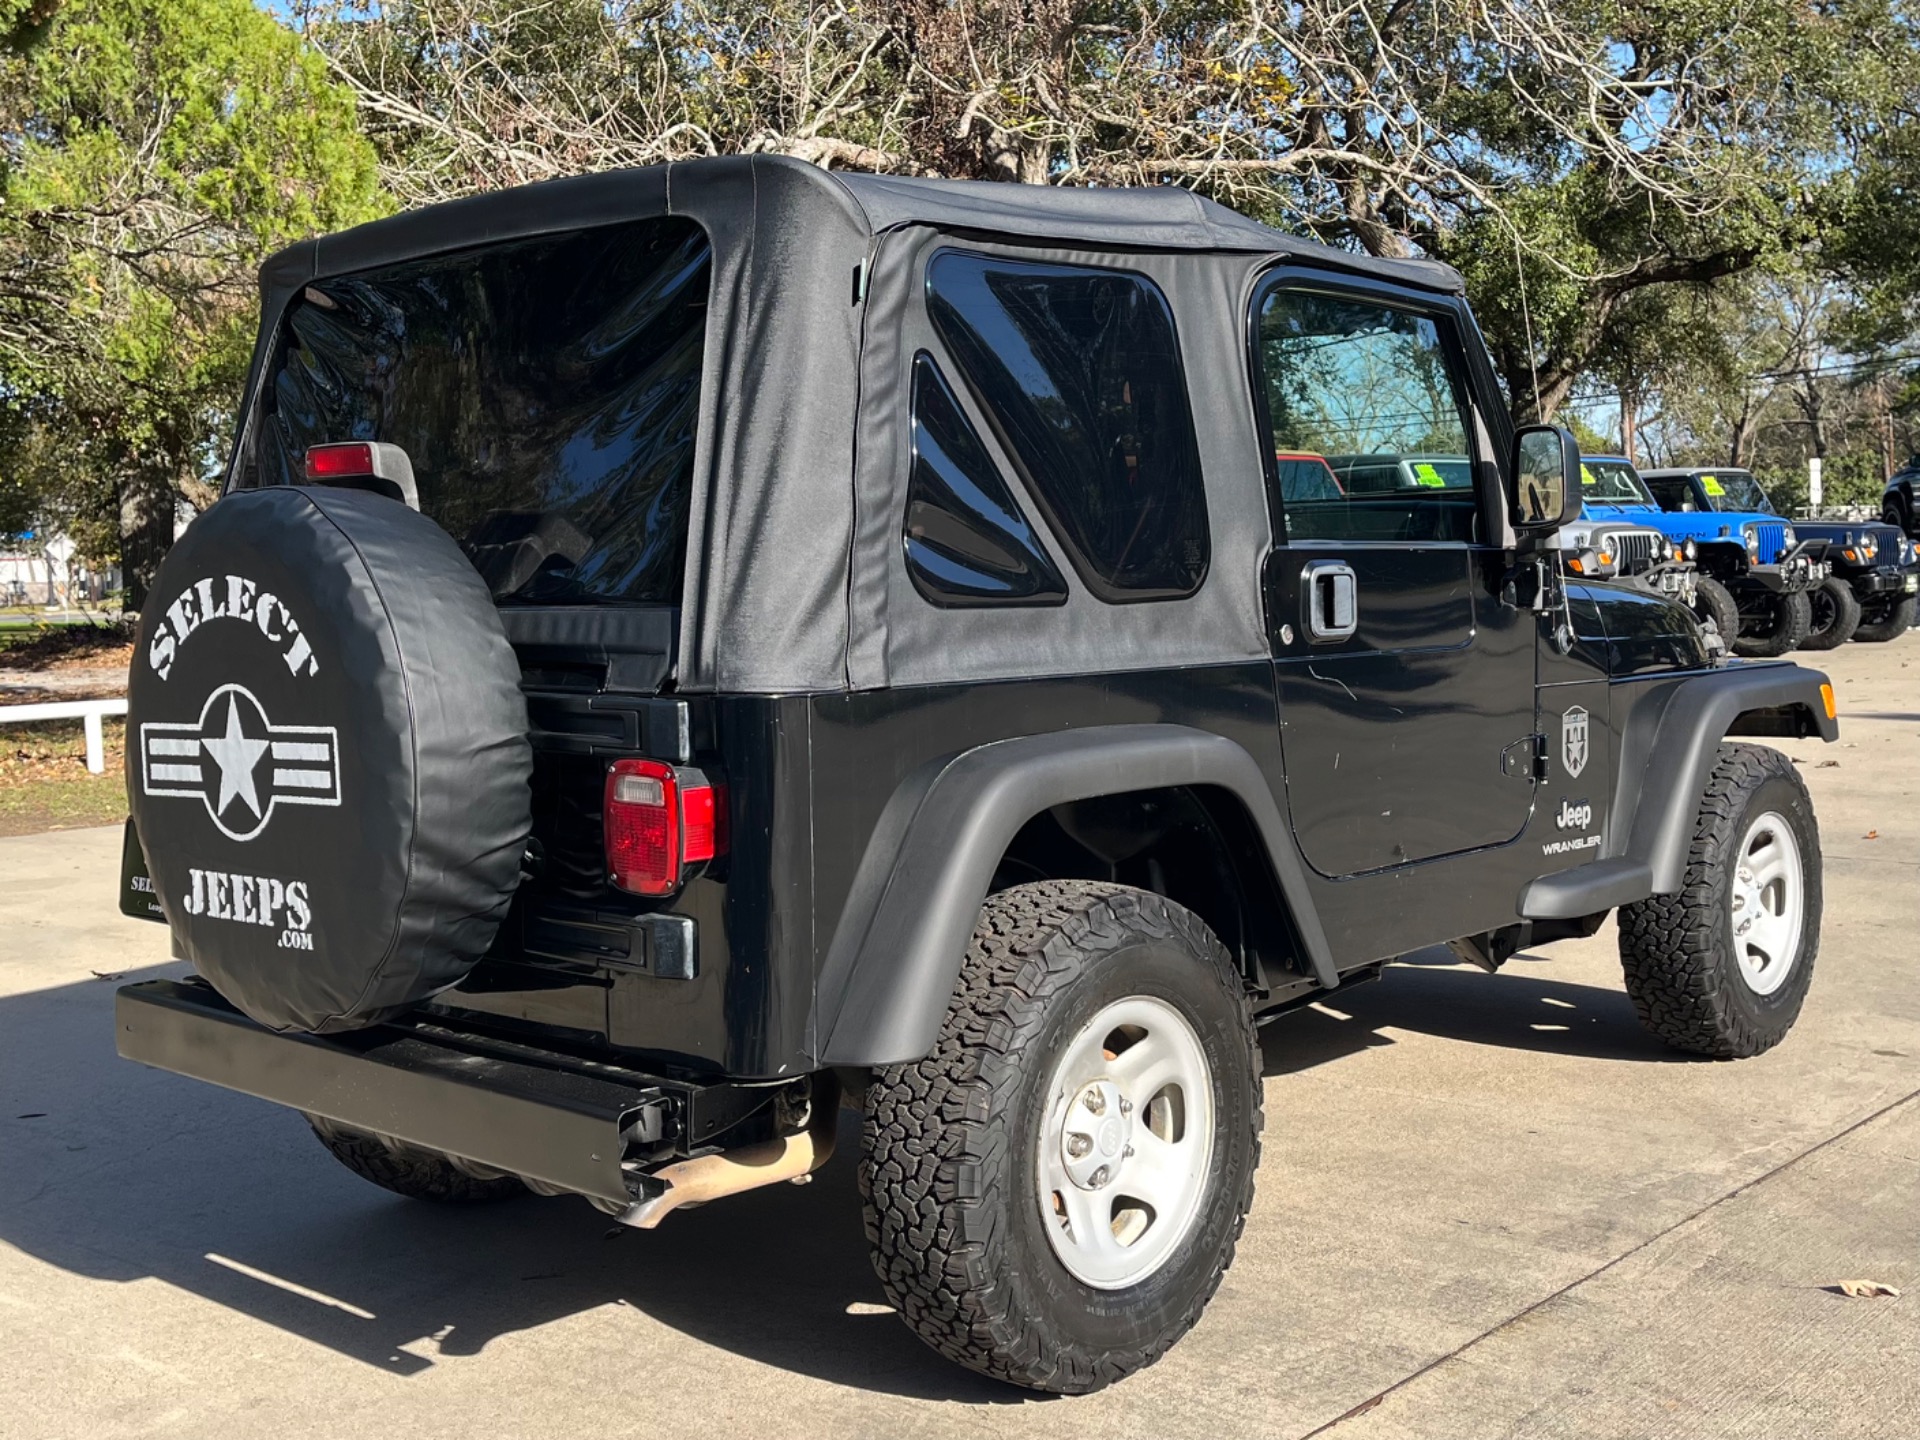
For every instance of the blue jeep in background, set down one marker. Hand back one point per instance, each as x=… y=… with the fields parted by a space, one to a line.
x=1868 y=592
x=1755 y=571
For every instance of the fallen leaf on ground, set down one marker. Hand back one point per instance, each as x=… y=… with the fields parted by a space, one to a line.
x=108 y=974
x=1871 y=835
x=1828 y=765
x=1866 y=1290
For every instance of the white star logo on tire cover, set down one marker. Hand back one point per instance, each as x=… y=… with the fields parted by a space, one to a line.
x=234 y=734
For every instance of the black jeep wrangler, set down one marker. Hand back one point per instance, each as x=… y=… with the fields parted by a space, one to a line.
x=684 y=649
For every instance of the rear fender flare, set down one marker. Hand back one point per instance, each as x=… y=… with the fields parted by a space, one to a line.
x=895 y=956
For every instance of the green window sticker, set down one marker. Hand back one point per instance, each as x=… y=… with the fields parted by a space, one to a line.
x=1425 y=474
x=1712 y=486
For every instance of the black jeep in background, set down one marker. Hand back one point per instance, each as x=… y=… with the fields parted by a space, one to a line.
x=683 y=650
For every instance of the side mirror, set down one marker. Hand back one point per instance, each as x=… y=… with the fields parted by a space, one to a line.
x=1545 y=476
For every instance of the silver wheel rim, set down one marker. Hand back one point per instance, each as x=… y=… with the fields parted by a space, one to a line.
x=1126 y=1143
x=1767 y=904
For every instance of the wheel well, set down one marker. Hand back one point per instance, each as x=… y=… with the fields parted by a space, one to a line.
x=1794 y=722
x=1196 y=845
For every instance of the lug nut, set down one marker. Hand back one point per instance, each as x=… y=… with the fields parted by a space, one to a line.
x=1126 y=1106
x=1095 y=1101
x=1127 y=1154
x=1099 y=1177
x=1078 y=1144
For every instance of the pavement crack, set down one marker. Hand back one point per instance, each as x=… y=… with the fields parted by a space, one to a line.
x=1434 y=1364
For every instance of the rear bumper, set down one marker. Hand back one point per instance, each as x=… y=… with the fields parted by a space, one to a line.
x=568 y=1124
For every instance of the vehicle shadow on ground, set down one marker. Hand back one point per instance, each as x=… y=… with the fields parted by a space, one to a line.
x=126 y=1173
x=1431 y=993
x=119 y=1173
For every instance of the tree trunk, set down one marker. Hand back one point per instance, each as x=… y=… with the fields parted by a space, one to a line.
x=1627 y=426
x=146 y=525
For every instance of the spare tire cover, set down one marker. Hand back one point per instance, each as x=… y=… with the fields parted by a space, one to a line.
x=327 y=756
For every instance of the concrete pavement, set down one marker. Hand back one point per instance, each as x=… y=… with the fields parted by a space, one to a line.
x=1490 y=1206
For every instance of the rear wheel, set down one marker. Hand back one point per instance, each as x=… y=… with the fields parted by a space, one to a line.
x=1712 y=601
x=1054 y=1193
x=1833 y=615
x=1888 y=620
x=1776 y=623
x=409 y=1171
x=1722 y=967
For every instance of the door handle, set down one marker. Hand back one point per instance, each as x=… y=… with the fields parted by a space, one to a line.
x=1329 y=600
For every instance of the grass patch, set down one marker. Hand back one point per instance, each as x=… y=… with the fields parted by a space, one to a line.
x=45 y=784
x=42 y=647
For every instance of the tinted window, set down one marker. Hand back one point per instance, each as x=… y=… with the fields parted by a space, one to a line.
x=1371 y=389
x=1080 y=373
x=1672 y=494
x=968 y=542
x=546 y=392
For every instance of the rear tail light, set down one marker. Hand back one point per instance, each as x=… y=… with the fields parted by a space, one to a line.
x=658 y=821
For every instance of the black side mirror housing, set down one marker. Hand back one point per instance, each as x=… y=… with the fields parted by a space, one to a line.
x=1543 y=480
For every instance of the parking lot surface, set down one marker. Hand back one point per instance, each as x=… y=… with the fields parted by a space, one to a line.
x=1489 y=1206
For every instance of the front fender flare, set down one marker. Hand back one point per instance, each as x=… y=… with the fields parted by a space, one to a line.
x=1672 y=738
x=895 y=956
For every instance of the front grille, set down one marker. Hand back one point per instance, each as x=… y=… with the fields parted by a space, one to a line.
x=1773 y=541
x=1634 y=550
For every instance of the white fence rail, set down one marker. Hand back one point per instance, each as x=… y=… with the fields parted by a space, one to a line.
x=89 y=711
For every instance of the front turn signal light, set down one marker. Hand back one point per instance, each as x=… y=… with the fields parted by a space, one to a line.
x=1826 y=698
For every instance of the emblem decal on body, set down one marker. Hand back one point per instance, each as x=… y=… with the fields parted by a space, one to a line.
x=1573 y=741
x=218 y=760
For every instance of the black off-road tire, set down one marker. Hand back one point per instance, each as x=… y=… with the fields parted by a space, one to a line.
x=1678 y=950
x=1833 y=615
x=1713 y=601
x=1889 y=623
x=1783 y=630
x=948 y=1174
x=1894 y=512
x=406 y=1170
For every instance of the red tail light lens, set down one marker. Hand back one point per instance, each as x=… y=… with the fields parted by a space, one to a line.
x=658 y=820
x=339 y=462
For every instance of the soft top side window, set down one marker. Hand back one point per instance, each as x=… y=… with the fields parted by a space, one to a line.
x=1372 y=389
x=1079 y=371
x=968 y=542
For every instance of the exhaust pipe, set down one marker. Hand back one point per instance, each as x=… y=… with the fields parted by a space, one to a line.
x=713 y=1177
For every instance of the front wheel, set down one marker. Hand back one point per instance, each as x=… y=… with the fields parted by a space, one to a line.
x=1888 y=620
x=1776 y=624
x=1054 y=1193
x=1894 y=513
x=1721 y=968
x=1712 y=601
x=1833 y=615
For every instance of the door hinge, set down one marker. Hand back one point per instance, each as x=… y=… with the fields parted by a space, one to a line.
x=1526 y=758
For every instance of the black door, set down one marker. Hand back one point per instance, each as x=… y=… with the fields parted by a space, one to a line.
x=1405 y=684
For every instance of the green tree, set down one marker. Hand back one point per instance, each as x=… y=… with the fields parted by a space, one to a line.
x=1567 y=157
x=153 y=152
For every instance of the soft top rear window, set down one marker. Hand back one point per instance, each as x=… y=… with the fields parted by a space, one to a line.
x=545 y=390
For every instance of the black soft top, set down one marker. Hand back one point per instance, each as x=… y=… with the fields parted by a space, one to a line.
x=794 y=579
